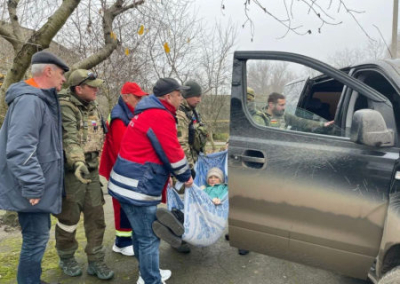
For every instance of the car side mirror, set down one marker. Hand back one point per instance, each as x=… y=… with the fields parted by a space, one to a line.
x=369 y=128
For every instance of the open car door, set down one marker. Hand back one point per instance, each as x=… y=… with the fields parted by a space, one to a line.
x=308 y=195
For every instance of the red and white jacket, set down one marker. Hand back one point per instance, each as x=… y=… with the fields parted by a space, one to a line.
x=149 y=153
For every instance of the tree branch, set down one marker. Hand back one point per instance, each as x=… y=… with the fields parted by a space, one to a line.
x=96 y=58
x=351 y=12
x=39 y=40
x=54 y=23
x=118 y=8
x=6 y=34
x=16 y=27
x=314 y=8
x=111 y=43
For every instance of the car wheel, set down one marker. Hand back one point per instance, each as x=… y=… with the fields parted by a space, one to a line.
x=392 y=277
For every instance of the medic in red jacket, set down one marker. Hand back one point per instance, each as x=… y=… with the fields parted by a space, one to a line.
x=149 y=153
x=120 y=116
x=119 y=119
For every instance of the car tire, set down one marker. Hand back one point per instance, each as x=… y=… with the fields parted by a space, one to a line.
x=392 y=277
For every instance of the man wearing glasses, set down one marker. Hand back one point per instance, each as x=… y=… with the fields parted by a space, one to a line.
x=83 y=141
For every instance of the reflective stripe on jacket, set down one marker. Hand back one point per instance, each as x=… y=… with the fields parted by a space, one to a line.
x=149 y=153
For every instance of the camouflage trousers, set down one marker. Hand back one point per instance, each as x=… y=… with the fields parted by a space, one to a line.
x=87 y=199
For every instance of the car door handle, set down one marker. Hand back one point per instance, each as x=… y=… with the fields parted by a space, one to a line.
x=252 y=159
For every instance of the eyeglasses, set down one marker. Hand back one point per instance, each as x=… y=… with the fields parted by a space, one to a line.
x=90 y=76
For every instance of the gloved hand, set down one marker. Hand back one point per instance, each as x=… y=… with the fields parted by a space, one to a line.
x=80 y=168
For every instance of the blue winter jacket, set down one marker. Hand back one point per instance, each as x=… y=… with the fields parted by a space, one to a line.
x=31 y=157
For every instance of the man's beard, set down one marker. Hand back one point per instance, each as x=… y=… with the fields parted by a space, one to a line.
x=278 y=112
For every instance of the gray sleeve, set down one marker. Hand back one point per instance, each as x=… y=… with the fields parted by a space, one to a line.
x=23 y=137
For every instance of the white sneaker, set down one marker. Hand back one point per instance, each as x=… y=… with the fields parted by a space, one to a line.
x=165 y=275
x=128 y=251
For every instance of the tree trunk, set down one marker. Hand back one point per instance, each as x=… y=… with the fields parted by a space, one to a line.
x=39 y=40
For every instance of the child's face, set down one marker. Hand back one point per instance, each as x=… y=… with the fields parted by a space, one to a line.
x=212 y=180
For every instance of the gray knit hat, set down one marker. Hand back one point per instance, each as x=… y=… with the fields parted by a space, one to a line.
x=194 y=89
x=217 y=173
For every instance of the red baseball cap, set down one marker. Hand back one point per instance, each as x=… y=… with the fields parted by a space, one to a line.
x=132 y=88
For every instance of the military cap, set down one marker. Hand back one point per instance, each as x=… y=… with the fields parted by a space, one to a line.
x=167 y=85
x=45 y=57
x=82 y=76
x=250 y=94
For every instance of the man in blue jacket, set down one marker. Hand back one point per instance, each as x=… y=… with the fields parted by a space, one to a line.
x=31 y=159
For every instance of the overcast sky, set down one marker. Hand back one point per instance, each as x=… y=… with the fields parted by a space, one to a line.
x=317 y=45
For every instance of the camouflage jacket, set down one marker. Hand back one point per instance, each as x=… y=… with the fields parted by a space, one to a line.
x=185 y=115
x=82 y=130
x=287 y=121
x=251 y=106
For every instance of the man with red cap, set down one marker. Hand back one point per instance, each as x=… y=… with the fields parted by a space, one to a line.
x=120 y=117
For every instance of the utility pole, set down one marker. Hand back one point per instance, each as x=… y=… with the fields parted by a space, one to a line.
x=394 y=28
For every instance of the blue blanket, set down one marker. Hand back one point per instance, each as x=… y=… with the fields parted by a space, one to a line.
x=204 y=221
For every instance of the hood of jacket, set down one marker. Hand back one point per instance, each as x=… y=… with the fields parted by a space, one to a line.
x=149 y=102
x=22 y=88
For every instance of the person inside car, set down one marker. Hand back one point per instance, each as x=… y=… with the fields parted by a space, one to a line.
x=274 y=116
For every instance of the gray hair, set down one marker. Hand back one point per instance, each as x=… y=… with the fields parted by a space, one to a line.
x=37 y=69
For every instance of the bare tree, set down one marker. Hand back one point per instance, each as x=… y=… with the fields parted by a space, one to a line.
x=346 y=57
x=215 y=71
x=12 y=31
x=266 y=77
x=16 y=13
x=172 y=45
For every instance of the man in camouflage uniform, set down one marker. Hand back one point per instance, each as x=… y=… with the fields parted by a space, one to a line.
x=192 y=133
x=274 y=116
x=251 y=105
x=83 y=139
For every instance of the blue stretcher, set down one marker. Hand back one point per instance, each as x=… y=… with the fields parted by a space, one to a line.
x=204 y=222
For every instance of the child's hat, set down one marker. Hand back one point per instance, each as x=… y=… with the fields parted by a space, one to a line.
x=216 y=172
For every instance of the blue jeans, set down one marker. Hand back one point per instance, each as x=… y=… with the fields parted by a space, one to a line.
x=145 y=242
x=35 y=229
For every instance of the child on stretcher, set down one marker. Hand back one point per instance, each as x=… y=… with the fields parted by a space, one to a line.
x=169 y=224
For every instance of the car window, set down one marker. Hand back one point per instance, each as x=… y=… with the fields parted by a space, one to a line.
x=293 y=98
x=292 y=92
x=379 y=81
